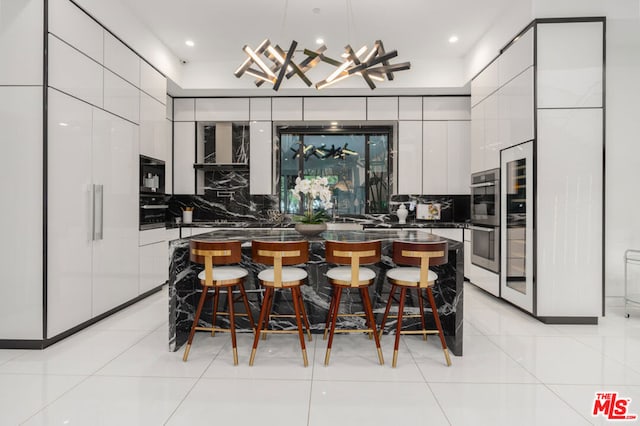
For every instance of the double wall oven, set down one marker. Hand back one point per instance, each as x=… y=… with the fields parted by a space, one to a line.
x=485 y=219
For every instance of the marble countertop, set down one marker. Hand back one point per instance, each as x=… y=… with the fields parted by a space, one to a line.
x=365 y=224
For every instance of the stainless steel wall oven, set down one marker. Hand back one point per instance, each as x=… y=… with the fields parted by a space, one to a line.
x=485 y=219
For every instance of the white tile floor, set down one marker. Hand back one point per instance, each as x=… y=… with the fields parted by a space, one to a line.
x=515 y=370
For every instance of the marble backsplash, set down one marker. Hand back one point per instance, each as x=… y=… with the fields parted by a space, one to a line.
x=226 y=198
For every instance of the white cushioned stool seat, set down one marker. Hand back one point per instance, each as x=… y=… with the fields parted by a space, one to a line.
x=409 y=274
x=289 y=274
x=343 y=273
x=224 y=273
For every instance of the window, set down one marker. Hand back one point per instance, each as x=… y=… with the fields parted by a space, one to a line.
x=355 y=161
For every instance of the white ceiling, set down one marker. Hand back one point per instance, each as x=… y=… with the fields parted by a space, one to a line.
x=418 y=29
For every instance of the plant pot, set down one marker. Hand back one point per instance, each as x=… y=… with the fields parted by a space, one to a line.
x=311 y=229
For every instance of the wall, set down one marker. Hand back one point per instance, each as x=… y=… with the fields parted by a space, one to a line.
x=21 y=163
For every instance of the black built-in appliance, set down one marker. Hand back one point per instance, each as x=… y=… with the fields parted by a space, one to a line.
x=485 y=219
x=153 y=201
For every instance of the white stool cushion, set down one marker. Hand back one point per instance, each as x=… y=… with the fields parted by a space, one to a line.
x=289 y=274
x=409 y=274
x=223 y=273
x=343 y=273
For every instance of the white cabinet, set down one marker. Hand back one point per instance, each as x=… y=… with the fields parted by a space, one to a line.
x=169 y=108
x=446 y=108
x=21 y=42
x=485 y=83
x=260 y=158
x=515 y=105
x=21 y=217
x=184 y=109
x=168 y=166
x=434 y=157
x=477 y=138
x=410 y=108
x=409 y=157
x=458 y=157
x=74 y=73
x=120 y=97
x=570 y=65
x=75 y=27
x=324 y=109
x=184 y=155
x=115 y=255
x=382 y=108
x=517 y=58
x=492 y=143
x=467 y=253
x=152 y=82
x=222 y=109
x=286 y=109
x=486 y=280
x=70 y=213
x=260 y=109
x=153 y=128
x=89 y=273
x=154 y=259
x=121 y=60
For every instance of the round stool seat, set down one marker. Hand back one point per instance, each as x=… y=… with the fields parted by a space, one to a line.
x=225 y=273
x=290 y=276
x=343 y=273
x=409 y=276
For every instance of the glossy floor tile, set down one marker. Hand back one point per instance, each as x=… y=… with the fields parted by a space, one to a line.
x=515 y=370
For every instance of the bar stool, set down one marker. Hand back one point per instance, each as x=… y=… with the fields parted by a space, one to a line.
x=352 y=277
x=212 y=253
x=423 y=255
x=280 y=255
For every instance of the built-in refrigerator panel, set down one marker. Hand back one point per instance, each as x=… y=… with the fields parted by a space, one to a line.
x=516 y=263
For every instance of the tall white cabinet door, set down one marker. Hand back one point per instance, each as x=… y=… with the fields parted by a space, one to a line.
x=115 y=253
x=492 y=144
x=184 y=155
x=458 y=135
x=21 y=249
x=70 y=213
x=168 y=167
x=409 y=157
x=153 y=139
x=477 y=138
x=434 y=157
x=21 y=61
x=260 y=152
x=515 y=105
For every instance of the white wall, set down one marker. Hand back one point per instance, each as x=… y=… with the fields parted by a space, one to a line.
x=622 y=133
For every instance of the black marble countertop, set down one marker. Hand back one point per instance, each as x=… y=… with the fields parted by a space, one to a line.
x=365 y=224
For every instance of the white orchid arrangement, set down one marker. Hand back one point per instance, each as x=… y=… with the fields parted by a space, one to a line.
x=314 y=190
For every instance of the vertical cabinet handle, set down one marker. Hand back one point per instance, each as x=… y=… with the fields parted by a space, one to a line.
x=98 y=216
x=93 y=212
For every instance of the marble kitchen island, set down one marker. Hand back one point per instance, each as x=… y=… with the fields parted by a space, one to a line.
x=184 y=288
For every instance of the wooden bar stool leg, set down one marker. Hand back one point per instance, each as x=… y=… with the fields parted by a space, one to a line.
x=215 y=312
x=245 y=300
x=436 y=318
x=203 y=296
x=337 y=294
x=304 y=312
x=262 y=322
x=232 y=325
x=387 y=309
x=298 y=312
x=422 y=321
x=364 y=293
x=368 y=309
x=403 y=295
x=327 y=323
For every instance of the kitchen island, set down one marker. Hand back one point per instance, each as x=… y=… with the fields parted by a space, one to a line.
x=185 y=290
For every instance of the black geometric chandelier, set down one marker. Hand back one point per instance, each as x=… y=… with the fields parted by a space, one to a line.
x=271 y=64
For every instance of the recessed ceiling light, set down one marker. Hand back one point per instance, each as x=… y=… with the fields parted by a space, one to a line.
x=334 y=123
x=189 y=43
x=63 y=124
x=319 y=41
x=453 y=39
